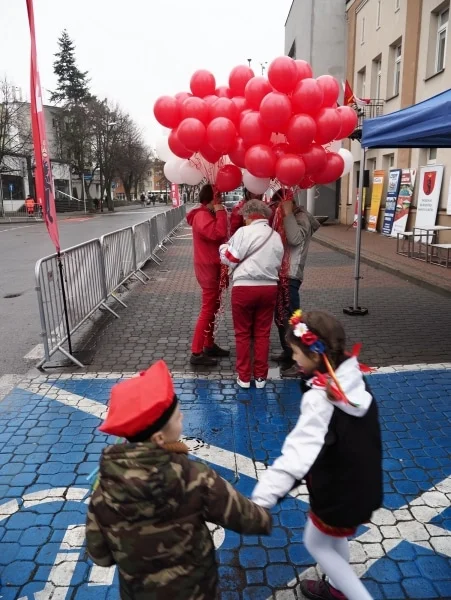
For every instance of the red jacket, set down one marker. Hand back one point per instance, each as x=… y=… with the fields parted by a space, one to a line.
x=236 y=220
x=209 y=232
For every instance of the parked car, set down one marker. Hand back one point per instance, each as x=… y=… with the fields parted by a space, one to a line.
x=231 y=199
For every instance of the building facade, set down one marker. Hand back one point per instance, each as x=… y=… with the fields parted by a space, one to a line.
x=315 y=31
x=397 y=55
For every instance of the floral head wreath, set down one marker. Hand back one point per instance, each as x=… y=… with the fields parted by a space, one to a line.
x=315 y=344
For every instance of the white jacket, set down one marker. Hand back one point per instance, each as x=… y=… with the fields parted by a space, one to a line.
x=262 y=268
x=308 y=438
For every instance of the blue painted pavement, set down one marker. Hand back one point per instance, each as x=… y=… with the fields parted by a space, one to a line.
x=49 y=444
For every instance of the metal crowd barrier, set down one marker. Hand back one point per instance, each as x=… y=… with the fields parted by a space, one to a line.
x=92 y=273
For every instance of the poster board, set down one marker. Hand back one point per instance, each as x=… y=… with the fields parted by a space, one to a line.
x=376 y=198
x=394 y=182
x=431 y=178
x=404 y=201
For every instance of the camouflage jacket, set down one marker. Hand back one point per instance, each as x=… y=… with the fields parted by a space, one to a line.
x=148 y=515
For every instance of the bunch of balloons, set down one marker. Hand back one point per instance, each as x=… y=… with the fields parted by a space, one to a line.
x=258 y=130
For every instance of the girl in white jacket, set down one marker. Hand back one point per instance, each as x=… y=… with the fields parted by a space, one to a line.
x=336 y=447
x=254 y=255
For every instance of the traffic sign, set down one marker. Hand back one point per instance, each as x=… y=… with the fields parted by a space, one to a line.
x=11 y=187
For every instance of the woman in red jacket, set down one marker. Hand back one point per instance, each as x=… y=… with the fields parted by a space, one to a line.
x=209 y=223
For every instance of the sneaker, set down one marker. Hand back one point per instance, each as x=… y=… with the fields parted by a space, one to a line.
x=320 y=590
x=216 y=352
x=245 y=385
x=260 y=383
x=292 y=371
x=203 y=360
x=279 y=358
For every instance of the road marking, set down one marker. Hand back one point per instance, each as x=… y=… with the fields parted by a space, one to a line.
x=35 y=353
x=15 y=228
x=8 y=383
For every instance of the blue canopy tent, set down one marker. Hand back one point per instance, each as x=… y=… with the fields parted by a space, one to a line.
x=423 y=125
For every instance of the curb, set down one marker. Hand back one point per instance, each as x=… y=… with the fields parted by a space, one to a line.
x=393 y=270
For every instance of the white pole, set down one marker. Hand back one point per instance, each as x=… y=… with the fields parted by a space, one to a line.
x=357 y=310
x=311 y=193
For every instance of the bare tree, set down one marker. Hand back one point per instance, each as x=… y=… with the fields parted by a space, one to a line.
x=133 y=158
x=15 y=133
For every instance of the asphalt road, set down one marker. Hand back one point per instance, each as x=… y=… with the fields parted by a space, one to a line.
x=21 y=245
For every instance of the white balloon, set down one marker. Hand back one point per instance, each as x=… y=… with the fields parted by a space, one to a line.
x=348 y=160
x=172 y=170
x=189 y=173
x=256 y=185
x=163 y=151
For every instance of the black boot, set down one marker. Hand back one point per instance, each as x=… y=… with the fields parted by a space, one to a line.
x=203 y=360
x=216 y=352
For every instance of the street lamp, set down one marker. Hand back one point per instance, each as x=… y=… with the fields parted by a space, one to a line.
x=249 y=60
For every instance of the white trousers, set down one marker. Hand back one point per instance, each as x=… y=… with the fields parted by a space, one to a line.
x=332 y=555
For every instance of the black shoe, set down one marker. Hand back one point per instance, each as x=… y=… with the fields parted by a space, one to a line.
x=203 y=360
x=280 y=358
x=292 y=371
x=216 y=352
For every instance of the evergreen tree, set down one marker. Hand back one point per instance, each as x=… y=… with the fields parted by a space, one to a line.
x=73 y=85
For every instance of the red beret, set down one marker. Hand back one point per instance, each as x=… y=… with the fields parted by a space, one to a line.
x=138 y=403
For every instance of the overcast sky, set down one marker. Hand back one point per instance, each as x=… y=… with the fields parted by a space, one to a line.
x=137 y=50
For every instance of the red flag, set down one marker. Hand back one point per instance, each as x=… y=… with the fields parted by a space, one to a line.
x=350 y=98
x=45 y=194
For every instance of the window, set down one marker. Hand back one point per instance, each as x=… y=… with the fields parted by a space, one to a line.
x=397 y=5
x=378 y=18
x=376 y=83
x=397 y=69
x=432 y=156
x=442 y=33
x=361 y=83
x=362 y=38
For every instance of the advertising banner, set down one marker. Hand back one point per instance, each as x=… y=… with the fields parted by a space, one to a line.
x=431 y=178
x=404 y=201
x=376 y=198
x=175 y=195
x=394 y=181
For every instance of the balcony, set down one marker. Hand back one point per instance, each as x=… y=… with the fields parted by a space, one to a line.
x=374 y=109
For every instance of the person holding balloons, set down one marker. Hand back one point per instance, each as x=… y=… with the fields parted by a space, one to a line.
x=210 y=228
x=296 y=227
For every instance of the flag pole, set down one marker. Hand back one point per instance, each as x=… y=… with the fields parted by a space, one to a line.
x=355 y=309
x=64 y=297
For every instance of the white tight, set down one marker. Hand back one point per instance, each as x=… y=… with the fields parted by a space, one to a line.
x=332 y=555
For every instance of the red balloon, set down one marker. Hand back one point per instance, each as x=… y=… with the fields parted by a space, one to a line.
x=315 y=159
x=238 y=152
x=177 y=147
x=223 y=92
x=167 y=112
x=223 y=107
x=330 y=88
x=240 y=103
x=307 y=97
x=183 y=96
x=301 y=132
x=304 y=69
x=349 y=121
x=306 y=183
x=333 y=170
x=256 y=89
x=275 y=111
x=238 y=78
x=191 y=133
x=252 y=129
x=209 y=100
x=281 y=149
x=221 y=135
x=328 y=125
x=229 y=177
x=290 y=169
x=283 y=74
x=202 y=83
x=208 y=153
x=195 y=108
x=260 y=161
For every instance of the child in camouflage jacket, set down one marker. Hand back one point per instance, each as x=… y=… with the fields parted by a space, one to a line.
x=148 y=513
